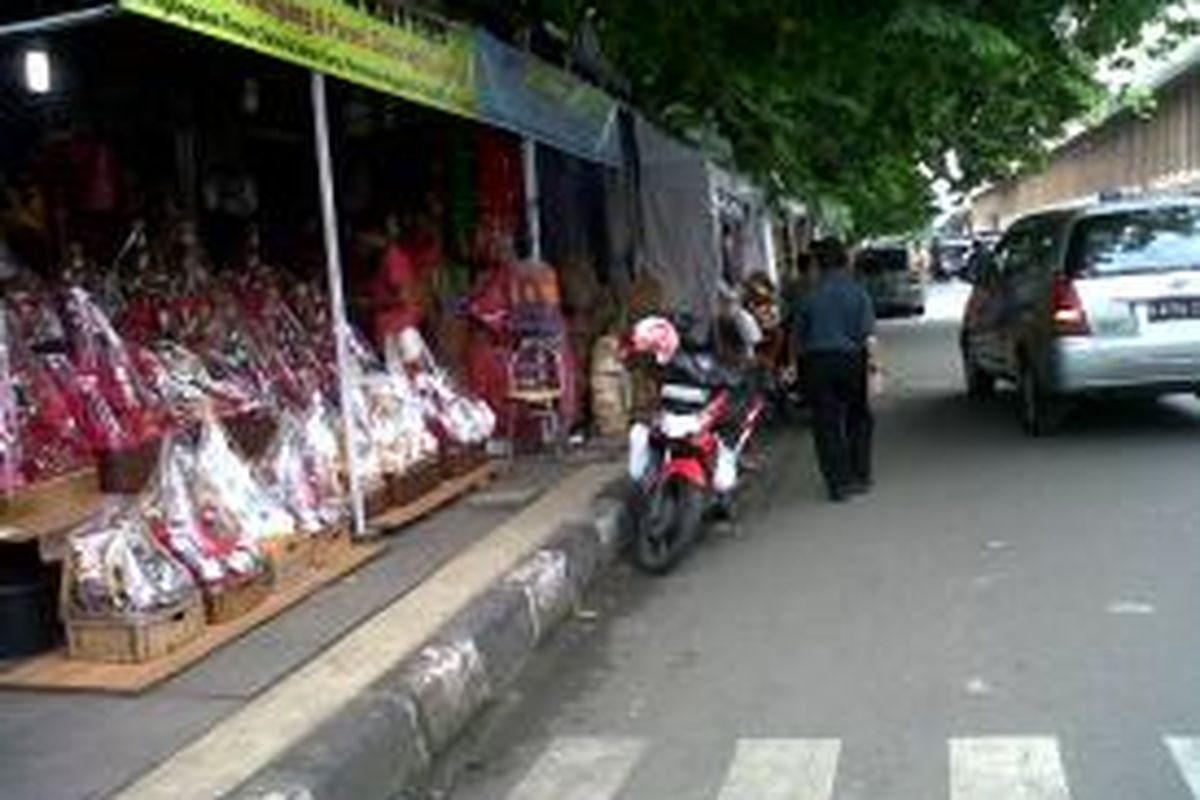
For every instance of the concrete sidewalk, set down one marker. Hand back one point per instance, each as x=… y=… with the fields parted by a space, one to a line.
x=352 y=692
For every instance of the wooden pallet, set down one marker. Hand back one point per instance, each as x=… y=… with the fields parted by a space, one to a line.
x=445 y=492
x=56 y=672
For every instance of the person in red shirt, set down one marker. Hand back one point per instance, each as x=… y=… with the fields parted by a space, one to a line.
x=394 y=295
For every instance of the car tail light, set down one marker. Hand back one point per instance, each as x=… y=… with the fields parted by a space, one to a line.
x=1070 y=318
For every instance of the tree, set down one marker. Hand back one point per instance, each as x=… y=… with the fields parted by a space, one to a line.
x=859 y=101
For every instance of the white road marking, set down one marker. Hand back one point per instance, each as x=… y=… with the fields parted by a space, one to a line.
x=580 y=769
x=1130 y=608
x=1006 y=769
x=1186 y=753
x=782 y=769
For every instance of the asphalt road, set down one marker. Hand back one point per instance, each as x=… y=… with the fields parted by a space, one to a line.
x=1002 y=619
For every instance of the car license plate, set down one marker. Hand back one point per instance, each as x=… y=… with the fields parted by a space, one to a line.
x=1179 y=308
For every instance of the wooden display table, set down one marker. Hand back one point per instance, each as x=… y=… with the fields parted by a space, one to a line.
x=445 y=492
x=46 y=512
x=56 y=672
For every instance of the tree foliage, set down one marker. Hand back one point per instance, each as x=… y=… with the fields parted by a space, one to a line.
x=860 y=101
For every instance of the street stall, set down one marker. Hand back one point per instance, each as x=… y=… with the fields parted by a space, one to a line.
x=187 y=431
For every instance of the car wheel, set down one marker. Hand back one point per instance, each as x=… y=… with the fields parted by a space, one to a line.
x=1041 y=413
x=980 y=384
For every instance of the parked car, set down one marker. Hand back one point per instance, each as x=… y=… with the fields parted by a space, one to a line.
x=949 y=257
x=1097 y=299
x=892 y=278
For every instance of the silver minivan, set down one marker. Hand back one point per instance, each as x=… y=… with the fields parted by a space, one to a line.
x=1097 y=299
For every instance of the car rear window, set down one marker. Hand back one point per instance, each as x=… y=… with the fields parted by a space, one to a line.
x=874 y=262
x=1140 y=240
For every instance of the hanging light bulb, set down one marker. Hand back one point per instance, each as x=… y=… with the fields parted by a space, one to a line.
x=37 y=71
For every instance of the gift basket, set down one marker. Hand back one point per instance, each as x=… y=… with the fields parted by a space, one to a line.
x=462 y=424
x=199 y=529
x=225 y=484
x=124 y=597
x=128 y=417
x=302 y=473
x=10 y=440
x=408 y=449
x=49 y=439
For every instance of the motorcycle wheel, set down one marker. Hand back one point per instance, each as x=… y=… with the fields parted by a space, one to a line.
x=668 y=522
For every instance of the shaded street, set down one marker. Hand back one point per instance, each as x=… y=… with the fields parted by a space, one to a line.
x=1013 y=618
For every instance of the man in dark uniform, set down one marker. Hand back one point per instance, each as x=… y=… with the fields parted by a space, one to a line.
x=835 y=335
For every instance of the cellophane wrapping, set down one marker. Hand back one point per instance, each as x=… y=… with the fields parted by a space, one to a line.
x=454 y=414
x=117 y=570
x=224 y=482
x=398 y=425
x=10 y=439
x=106 y=366
x=50 y=439
x=302 y=469
x=194 y=530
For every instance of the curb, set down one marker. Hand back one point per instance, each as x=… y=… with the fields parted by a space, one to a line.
x=385 y=740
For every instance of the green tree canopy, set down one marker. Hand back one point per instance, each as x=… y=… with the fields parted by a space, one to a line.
x=860 y=102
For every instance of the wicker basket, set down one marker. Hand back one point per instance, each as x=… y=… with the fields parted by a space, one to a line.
x=418 y=481
x=128 y=471
x=289 y=556
x=377 y=501
x=228 y=602
x=135 y=640
x=459 y=459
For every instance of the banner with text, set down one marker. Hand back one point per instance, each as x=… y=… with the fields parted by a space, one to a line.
x=415 y=58
x=536 y=99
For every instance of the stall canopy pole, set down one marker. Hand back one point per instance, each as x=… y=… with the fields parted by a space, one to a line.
x=533 y=215
x=337 y=300
x=55 y=22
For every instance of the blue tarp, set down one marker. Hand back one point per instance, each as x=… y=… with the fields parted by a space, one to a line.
x=532 y=98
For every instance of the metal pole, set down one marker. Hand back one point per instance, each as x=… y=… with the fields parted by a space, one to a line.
x=533 y=214
x=337 y=300
x=57 y=21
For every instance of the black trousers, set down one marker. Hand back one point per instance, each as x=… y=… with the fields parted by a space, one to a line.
x=842 y=420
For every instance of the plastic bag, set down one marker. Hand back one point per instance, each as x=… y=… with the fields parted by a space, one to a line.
x=117 y=569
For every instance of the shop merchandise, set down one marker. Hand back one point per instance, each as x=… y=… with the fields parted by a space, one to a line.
x=399 y=431
x=10 y=439
x=301 y=470
x=195 y=531
x=116 y=569
x=453 y=415
x=224 y=483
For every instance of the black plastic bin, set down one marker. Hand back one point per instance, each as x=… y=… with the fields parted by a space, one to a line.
x=28 y=608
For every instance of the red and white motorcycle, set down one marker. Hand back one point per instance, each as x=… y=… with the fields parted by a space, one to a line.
x=683 y=462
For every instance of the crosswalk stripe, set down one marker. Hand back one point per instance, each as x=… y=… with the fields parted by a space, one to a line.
x=782 y=769
x=1001 y=768
x=1186 y=753
x=580 y=769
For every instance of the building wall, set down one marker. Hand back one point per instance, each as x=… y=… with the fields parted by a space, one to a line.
x=1128 y=152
